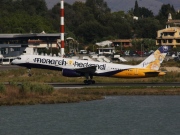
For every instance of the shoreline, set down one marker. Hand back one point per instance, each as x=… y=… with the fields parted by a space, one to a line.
x=14 y=97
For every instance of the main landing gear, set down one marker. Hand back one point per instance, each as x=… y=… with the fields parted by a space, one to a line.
x=89 y=81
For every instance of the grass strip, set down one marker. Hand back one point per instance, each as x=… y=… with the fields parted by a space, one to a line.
x=13 y=95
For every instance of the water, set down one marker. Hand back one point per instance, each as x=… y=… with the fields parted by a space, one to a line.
x=116 y=115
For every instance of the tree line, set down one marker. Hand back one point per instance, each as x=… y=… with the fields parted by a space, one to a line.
x=87 y=22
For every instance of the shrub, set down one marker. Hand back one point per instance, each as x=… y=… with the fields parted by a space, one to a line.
x=2 y=88
x=39 y=88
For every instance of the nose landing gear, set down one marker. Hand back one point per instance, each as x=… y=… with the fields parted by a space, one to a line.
x=29 y=72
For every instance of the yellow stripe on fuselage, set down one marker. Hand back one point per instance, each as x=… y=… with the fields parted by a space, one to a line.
x=138 y=73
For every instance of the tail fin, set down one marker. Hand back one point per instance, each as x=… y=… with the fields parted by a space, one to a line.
x=155 y=59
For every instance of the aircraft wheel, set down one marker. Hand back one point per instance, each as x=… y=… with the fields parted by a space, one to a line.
x=85 y=81
x=89 y=81
x=93 y=82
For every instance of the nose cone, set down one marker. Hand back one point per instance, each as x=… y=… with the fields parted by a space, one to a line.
x=14 y=62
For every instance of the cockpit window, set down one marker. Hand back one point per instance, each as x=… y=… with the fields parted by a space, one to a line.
x=19 y=58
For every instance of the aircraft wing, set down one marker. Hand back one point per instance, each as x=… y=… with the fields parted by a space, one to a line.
x=90 y=69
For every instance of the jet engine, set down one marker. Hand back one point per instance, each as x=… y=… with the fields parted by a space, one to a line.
x=70 y=73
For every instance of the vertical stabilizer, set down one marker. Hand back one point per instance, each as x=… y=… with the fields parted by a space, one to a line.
x=155 y=59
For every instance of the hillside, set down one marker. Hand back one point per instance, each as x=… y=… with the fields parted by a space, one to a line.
x=125 y=5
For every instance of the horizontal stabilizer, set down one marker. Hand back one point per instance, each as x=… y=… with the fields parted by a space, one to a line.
x=154 y=74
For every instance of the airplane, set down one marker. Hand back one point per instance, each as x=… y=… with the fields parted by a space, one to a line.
x=78 y=68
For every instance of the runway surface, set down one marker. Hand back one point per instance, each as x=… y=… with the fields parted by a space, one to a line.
x=8 y=67
x=75 y=85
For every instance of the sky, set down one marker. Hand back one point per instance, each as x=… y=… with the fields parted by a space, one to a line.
x=125 y=5
x=51 y=3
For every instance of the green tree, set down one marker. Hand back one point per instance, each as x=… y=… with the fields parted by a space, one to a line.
x=91 y=31
x=164 y=12
x=149 y=43
x=22 y=16
x=98 y=8
x=144 y=12
x=136 y=9
x=177 y=15
x=87 y=22
x=141 y=11
x=82 y=14
x=147 y=28
x=32 y=7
